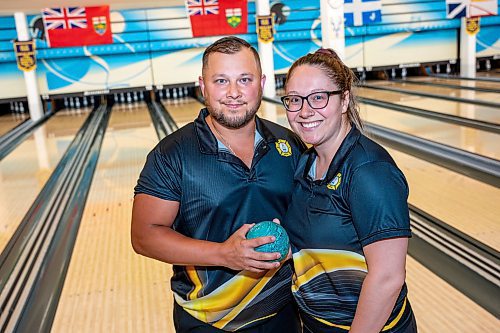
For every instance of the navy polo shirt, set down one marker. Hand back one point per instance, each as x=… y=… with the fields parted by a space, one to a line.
x=218 y=193
x=361 y=200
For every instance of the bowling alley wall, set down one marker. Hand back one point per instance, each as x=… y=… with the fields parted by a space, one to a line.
x=154 y=47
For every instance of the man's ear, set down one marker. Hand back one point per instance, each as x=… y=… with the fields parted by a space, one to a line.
x=202 y=85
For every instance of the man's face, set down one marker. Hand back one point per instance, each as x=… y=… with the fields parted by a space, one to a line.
x=232 y=87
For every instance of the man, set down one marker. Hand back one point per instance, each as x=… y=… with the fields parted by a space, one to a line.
x=204 y=186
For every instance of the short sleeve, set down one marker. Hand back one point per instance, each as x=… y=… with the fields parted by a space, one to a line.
x=378 y=195
x=160 y=176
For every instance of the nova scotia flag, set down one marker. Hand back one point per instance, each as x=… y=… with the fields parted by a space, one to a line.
x=361 y=12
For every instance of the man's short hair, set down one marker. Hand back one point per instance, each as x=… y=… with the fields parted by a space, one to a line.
x=229 y=45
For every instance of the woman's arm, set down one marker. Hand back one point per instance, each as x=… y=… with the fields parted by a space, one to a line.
x=386 y=260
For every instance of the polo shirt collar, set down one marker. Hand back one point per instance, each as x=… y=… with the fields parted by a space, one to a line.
x=208 y=142
x=338 y=160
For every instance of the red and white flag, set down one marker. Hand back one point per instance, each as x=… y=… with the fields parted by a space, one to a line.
x=217 y=17
x=77 y=26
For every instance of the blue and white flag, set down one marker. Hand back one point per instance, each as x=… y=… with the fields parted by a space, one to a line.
x=361 y=12
x=470 y=8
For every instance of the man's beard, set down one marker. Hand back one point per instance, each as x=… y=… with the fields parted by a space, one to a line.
x=230 y=121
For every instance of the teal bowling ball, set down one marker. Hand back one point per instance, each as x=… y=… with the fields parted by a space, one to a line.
x=269 y=228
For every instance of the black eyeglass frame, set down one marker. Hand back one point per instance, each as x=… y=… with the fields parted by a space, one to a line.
x=330 y=93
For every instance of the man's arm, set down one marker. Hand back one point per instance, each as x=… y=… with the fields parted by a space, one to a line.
x=152 y=236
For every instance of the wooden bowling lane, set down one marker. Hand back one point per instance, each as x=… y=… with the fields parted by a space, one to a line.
x=183 y=110
x=24 y=171
x=465 y=110
x=465 y=138
x=464 y=203
x=440 y=308
x=495 y=74
x=440 y=90
x=457 y=82
x=109 y=288
x=11 y=120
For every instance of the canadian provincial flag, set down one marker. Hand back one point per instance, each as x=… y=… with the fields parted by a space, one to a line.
x=217 y=17
x=77 y=26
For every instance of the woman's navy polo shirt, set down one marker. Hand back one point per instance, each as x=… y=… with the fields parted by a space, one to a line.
x=362 y=199
x=218 y=193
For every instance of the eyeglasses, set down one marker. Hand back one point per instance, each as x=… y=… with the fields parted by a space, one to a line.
x=316 y=100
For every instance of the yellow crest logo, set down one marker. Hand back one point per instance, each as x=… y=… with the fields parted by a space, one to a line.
x=335 y=183
x=283 y=147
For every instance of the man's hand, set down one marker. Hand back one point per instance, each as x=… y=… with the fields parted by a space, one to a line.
x=239 y=252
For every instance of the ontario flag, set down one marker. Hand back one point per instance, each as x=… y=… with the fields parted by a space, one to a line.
x=362 y=12
x=77 y=26
x=217 y=17
x=471 y=8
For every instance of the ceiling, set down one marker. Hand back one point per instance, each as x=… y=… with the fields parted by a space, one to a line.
x=8 y=7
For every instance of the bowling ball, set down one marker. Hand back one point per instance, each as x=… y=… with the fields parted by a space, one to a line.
x=269 y=228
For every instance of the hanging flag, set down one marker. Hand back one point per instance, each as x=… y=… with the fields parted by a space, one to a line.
x=361 y=12
x=217 y=17
x=77 y=26
x=470 y=8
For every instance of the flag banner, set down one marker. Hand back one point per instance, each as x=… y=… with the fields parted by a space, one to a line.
x=217 y=17
x=472 y=25
x=25 y=55
x=470 y=8
x=361 y=12
x=77 y=26
x=265 y=28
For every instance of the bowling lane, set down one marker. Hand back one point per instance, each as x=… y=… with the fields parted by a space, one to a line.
x=495 y=74
x=464 y=203
x=183 y=110
x=439 y=307
x=465 y=110
x=466 y=138
x=109 y=288
x=463 y=83
x=25 y=170
x=11 y=120
x=445 y=91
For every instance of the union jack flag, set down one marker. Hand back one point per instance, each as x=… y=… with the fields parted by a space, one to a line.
x=64 y=18
x=203 y=7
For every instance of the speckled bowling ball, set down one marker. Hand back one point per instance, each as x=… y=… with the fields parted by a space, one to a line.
x=269 y=228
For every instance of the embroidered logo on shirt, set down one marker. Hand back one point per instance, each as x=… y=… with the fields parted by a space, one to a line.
x=335 y=183
x=283 y=148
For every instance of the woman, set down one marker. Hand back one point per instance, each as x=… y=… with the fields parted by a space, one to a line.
x=348 y=221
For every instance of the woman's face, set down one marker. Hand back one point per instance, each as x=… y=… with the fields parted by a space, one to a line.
x=317 y=127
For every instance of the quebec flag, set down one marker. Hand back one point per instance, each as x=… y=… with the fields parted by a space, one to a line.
x=471 y=8
x=361 y=12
